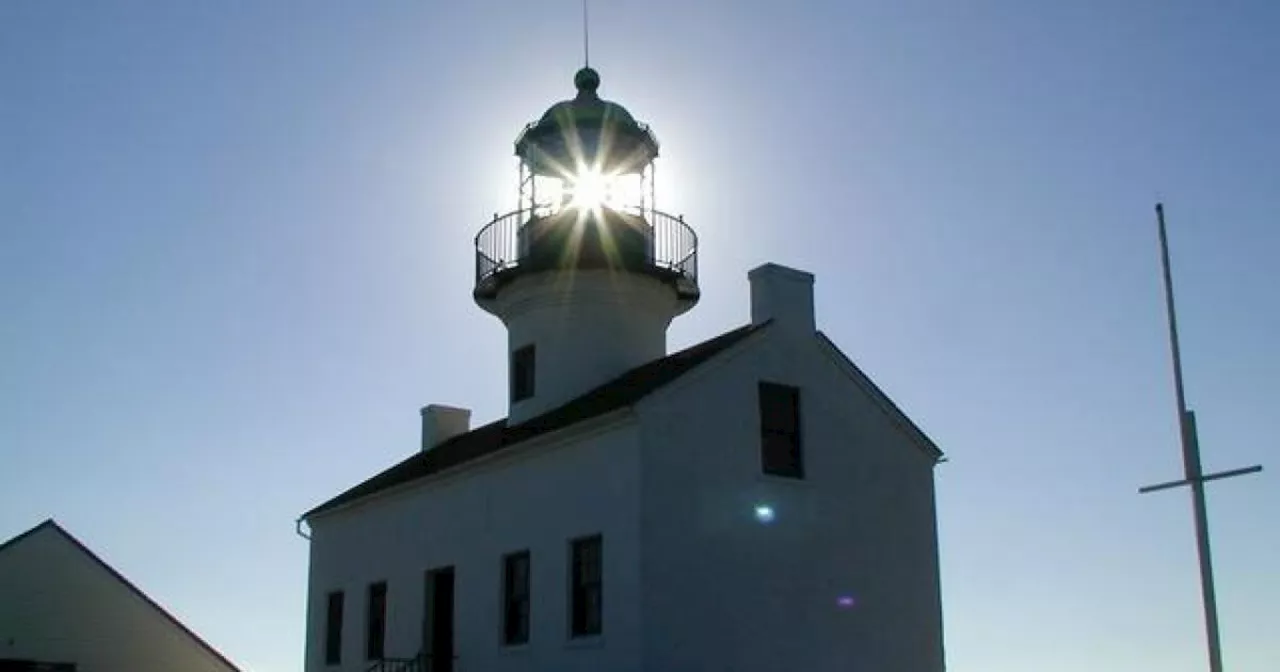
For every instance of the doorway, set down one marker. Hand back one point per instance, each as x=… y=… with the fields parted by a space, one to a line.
x=437 y=622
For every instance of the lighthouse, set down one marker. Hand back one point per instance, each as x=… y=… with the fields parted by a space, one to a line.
x=586 y=273
x=752 y=502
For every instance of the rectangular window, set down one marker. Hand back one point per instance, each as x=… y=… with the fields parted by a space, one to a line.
x=586 y=587
x=333 y=630
x=522 y=373
x=376 y=634
x=515 y=599
x=780 y=430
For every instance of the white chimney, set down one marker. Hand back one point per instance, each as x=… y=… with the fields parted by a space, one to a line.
x=441 y=423
x=784 y=295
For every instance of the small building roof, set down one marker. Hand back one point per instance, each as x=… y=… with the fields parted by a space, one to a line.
x=110 y=571
x=626 y=390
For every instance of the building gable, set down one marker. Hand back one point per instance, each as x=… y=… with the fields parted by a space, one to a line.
x=882 y=400
x=676 y=392
x=46 y=560
x=738 y=545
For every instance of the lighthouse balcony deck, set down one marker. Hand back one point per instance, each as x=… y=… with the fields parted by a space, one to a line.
x=649 y=242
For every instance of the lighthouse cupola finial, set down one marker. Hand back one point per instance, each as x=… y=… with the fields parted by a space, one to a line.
x=586 y=81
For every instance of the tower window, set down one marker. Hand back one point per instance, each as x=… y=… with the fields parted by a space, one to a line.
x=780 y=430
x=376 y=633
x=515 y=599
x=522 y=373
x=333 y=630
x=586 y=594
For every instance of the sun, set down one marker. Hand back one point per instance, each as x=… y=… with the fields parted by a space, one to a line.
x=590 y=189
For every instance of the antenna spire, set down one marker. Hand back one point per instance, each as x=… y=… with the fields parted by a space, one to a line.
x=586 y=37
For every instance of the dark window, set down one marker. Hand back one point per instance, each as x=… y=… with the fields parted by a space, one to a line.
x=587 y=587
x=333 y=630
x=376 y=636
x=780 y=430
x=515 y=598
x=522 y=373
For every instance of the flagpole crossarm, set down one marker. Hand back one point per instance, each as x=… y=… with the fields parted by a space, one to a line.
x=1203 y=479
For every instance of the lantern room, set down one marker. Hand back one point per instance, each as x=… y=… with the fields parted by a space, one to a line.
x=586 y=153
x=586 y=202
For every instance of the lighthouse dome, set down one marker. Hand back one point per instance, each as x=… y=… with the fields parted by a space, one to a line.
x=587 y=107
x=586 y=130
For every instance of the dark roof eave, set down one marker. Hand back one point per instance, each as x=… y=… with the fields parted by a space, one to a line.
x=608 y=419
x=622 y=392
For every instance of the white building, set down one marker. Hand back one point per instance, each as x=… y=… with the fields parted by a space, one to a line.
x=63 y=609
x=752 y=503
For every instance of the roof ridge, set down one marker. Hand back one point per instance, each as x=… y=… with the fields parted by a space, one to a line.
x=23 y=535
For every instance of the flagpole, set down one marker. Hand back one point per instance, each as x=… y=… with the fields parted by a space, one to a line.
x=1191 y=463
x=1194 y=476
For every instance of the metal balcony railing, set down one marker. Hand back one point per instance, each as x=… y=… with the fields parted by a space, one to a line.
x=672 y=246
x=497 y=247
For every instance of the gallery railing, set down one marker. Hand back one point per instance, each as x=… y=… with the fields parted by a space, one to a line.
x=673 y=245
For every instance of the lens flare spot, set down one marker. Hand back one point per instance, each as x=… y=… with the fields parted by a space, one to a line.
x=845 y=602
x=765 y=513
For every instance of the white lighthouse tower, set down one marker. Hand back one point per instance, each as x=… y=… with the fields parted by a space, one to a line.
x=586 y=273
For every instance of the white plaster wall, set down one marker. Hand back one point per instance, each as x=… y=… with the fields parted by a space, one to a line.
x=588 y=328
x=58 y=605
x=724 y=592
x=539 y=499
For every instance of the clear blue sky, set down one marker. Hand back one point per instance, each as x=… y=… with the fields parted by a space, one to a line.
x=235 y=258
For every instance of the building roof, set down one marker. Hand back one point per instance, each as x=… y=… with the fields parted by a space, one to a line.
x=110 y=571
x=495 y=437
